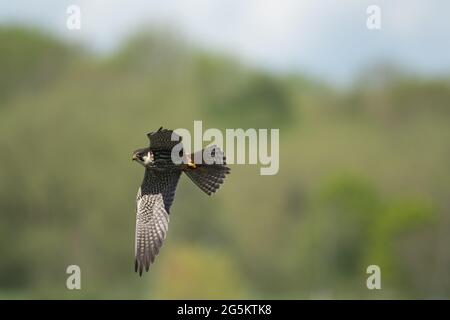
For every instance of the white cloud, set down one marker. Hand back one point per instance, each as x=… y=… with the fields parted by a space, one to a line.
x=323 y=37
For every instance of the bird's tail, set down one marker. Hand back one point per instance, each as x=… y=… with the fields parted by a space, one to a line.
x=210 y=173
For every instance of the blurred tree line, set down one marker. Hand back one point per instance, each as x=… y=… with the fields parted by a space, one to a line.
x=363 y=176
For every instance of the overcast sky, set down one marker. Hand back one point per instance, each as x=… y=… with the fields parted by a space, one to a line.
x=325 y=38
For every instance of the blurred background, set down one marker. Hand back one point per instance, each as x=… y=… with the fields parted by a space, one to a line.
x=364 y=155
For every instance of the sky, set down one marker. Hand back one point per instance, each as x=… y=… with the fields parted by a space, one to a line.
x=324 y=38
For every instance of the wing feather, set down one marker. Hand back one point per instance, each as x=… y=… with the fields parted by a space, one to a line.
x=153 y=204
x=163 y=139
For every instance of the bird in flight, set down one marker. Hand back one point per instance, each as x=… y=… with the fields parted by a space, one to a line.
x=157 y=191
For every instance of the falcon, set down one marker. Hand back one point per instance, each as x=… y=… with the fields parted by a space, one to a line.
x=157 y=190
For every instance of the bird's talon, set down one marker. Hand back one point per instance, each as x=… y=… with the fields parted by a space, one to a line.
x=191 y=165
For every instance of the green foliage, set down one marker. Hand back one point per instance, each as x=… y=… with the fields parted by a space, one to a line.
x=29 y=60
x=363 y=177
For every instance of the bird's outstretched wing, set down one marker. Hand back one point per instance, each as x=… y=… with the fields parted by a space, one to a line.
x=162 y=139
x=152 y=215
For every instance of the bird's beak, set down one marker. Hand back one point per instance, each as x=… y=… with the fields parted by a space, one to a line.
x=134 y=157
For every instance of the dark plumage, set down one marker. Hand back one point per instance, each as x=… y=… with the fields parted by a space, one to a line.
x=157 y=191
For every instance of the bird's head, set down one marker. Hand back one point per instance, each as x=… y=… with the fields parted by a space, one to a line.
x=143 y=156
